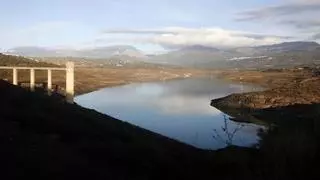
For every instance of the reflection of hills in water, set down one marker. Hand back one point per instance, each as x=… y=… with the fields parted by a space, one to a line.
x=188 y=96
x=242 y=115
x=179 y=109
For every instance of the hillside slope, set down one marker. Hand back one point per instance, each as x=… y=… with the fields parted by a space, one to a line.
x=9 y=60
x=44 y=137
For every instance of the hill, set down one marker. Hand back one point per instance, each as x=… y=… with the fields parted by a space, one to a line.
x=287 y=54
x=285 y=47
x=193 y=56
x=44 y=137
x=93 y=53
x=278 y=60
x=282 y=55
x=10 y=60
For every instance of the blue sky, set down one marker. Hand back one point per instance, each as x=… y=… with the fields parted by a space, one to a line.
x=86 y=24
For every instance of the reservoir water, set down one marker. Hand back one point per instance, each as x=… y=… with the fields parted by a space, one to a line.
x=179 y=109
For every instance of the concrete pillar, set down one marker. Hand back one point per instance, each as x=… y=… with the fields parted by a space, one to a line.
x=32 y=79
x=70 y=81
x=15 y=76
x=49 y=83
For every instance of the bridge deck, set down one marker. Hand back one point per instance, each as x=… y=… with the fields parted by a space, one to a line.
x=69 y=69
x=35 y=68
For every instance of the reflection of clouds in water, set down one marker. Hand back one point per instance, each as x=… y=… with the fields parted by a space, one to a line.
x=178 y=109
x=191 y=97
x=196 y=105
x=149 y=89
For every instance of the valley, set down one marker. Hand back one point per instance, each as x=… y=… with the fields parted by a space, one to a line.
x=82 y=143
x=160 y=89
x=283 y=55
x=117 y=65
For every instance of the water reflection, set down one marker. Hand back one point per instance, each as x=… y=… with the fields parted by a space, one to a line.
x=178 y=109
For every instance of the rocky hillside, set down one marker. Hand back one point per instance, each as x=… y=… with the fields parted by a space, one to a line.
x=285 y=47
x=287 y=54
x=300 y=89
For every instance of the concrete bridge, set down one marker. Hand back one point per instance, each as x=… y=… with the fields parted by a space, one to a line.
x=69 y=69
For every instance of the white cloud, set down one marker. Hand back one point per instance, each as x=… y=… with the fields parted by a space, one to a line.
x=215 y=37
x=185 y=105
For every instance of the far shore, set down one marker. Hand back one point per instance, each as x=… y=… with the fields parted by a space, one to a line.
x=92 y=79
x=283 y=88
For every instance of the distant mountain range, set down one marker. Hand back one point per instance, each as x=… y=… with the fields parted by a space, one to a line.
x=101 y=52
x=288 y=54
x=278 y=48
x=277 y=55
x=195 y=56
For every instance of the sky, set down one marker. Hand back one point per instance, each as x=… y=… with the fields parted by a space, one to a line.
x=156 y=25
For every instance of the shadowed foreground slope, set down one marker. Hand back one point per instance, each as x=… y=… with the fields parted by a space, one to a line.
x=290 y=147
x=45 y=137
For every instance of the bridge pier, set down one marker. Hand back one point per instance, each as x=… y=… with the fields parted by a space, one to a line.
x=49 y=82
x=32 y=79
x=15 y=77
x=70 y=81
x=69 y=77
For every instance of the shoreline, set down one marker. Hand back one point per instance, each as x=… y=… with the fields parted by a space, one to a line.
x=283 y=88
x=66 y=141
x=104 y=77
x=133 y=82
x=92 y=79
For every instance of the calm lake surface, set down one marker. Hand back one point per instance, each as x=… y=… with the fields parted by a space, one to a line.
x=179 y=109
